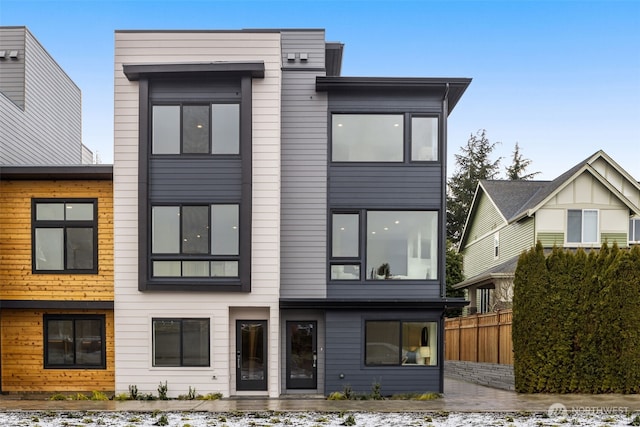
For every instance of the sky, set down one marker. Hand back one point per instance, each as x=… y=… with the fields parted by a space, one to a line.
x=560 y=78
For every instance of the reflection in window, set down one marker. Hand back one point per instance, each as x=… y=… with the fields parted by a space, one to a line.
x=180 y=342
x=195 y=129
x=634 y=230
x=64 y=234
x=582 y=226
x=424 y=138
x=402 y=245
x=74 y=341
x=367 y=138
x=405 y=343
x=210 y=234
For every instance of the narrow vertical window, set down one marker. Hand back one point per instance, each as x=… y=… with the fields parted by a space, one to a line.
x=424 y=138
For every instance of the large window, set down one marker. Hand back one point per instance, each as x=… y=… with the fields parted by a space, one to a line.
x=400 y=343
x=181 y=342
x=383 y=138
x=634 y=230
x=398 y=245
x=74 y=341
x=195 y=241
x=582 y=226
x=64 y=236
x=196 y=129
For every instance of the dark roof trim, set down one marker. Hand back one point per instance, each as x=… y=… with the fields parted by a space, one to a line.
x=48 y=173
x=333 y=58
x=137 y=71
x=372 y=304
x=67 y=305
x=451 y=87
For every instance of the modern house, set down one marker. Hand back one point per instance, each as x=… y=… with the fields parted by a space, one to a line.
x=279 y=228
x=40 y=106
x=594 y=202
x=56 y=279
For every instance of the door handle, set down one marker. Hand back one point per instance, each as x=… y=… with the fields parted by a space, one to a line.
x=238 y=359
x=315 y=358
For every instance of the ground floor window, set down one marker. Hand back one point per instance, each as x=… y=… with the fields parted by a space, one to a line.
x=181 y=342
x=400 y=343
x=74 y=341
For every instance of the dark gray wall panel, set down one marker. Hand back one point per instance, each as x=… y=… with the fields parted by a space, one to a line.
x=194 y=180
x=345 y=355
x=385 y=185
x=181 y=90
x=385 y=290
x=383 y=101
x=303 y=42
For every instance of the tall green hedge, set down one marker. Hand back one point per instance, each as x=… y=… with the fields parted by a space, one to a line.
x=576 y=321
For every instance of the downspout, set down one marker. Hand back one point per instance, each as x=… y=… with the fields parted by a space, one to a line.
x=443 y=227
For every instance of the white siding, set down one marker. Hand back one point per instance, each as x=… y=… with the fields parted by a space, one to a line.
x=43 y=126
x=133 y=309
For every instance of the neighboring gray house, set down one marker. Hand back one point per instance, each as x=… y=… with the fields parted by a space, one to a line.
x=279 y=228
x=594 y=202
x=40 y=106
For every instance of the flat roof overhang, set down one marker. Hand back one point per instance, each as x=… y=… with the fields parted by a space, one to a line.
x=452 y=88
x=49 y=173
x=135 y=72
x=382 y=304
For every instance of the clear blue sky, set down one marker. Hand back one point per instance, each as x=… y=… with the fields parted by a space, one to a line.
x=561 y=78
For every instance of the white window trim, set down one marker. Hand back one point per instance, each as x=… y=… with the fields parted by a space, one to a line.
x=582 y=242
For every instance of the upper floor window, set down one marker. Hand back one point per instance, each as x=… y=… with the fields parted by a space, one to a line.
x=383 y=138
x=496 y=246
x=582 y=226
x=196 y=129
x=64 y=236
x=181 y=342
x=634 y=230
x=74 y=341
x=400 y=245
x=195 y=241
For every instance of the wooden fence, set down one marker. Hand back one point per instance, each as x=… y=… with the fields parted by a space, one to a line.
x=480 y=338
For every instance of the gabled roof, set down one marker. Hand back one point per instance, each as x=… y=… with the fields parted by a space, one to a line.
x=519 y=199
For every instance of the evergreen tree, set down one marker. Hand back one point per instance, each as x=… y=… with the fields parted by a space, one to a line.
x=454 y=275
x=472 y=165
x=519 y=166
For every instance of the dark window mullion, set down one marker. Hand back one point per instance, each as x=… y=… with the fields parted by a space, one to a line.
x=75 y=338
x=181 y=334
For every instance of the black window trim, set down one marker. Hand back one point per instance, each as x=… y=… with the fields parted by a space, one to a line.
x=180 y=320
x=362 y=247
x=406 y=139
x=400 y=321
x=74 y=318
x=145 y=280
x=64 y=224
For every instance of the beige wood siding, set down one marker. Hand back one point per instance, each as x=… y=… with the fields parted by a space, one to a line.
x=23 y=356
x=134 y=310
x=18 y=281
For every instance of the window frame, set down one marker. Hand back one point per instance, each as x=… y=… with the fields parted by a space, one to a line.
x=64 y=224
x=203 y=257
x=634 y=227
x=73 y=318
x=361 y=259
x=402 y=362
x=407 y=143
x=582 y=227
x=496 y=245
x=195 y=103
x=181 y=321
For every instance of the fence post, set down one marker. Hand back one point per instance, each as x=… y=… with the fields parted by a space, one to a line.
x=498 y=334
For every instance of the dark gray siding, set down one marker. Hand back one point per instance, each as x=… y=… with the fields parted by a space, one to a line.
x=187 y=89
x=304 y=171
x=385 y=185
x=383 y=101
x=345 y=355
x=384 y=290
x=200 y=179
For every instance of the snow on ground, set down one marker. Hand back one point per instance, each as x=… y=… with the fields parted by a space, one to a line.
x=306 y=419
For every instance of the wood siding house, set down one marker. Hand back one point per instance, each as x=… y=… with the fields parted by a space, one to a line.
x=56 y=279
x=594 y=202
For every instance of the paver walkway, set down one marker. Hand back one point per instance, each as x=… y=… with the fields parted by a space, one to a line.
x=459 y=396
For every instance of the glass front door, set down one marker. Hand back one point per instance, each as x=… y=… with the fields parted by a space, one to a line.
x=251 y=355
x=302 y=356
